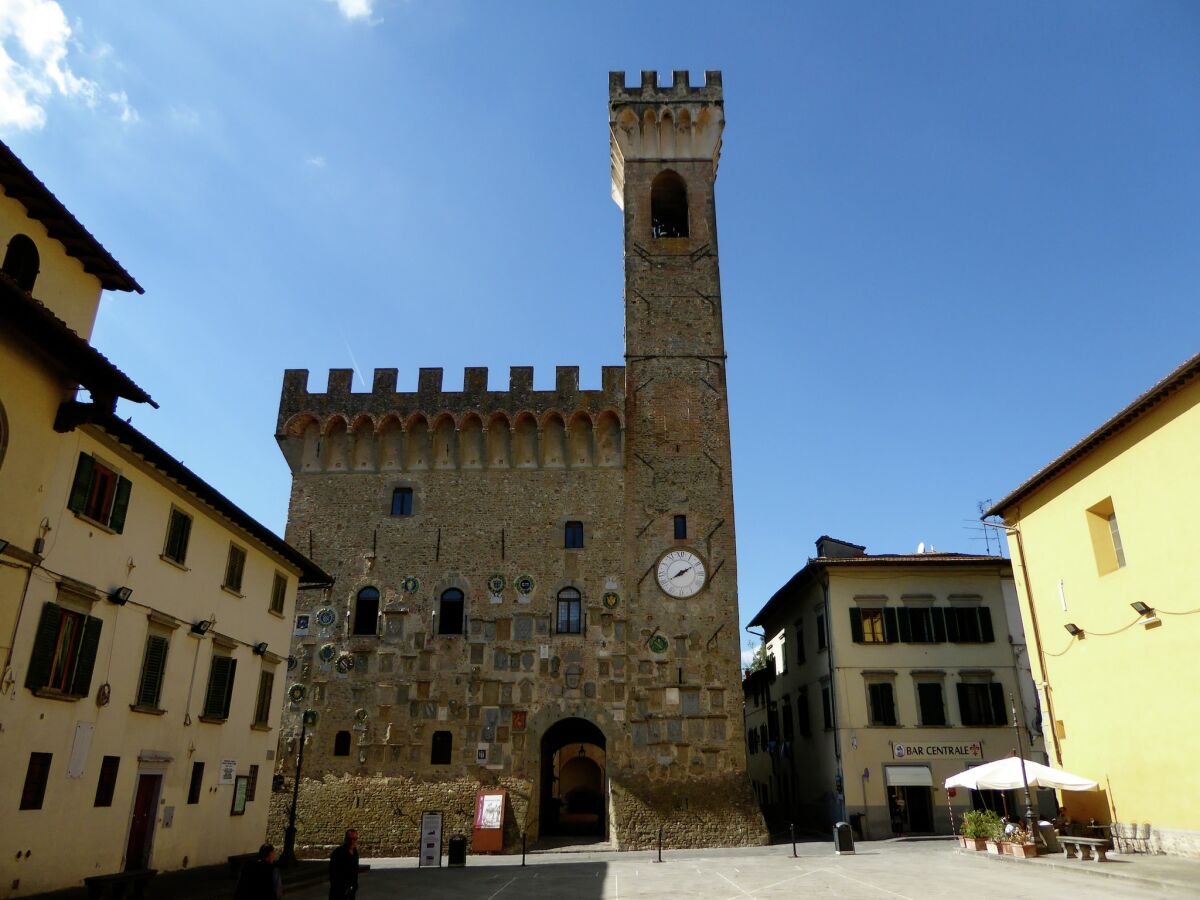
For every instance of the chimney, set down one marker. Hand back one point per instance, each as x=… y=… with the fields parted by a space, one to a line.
x=832 y=547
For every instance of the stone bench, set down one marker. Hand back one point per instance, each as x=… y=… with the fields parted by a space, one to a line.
x=120 y=884
x=1085 y=846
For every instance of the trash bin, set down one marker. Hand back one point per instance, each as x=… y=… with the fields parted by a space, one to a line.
x=456 y=853
x=843 y=840
x=856 y=823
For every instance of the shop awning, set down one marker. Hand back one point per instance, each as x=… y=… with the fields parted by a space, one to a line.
x=907 y=776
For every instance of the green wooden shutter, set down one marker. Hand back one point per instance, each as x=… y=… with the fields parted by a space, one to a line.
x=229 y=689
x=964 y=705
x=952 y=613
x=856 y=631
x=262 y=709
x=85 y=662
x=82 y=484
x=987 y=634
x=889 y=704
x=120 y=505
x=44 y=641
x=153 y=667
x=905 y=627
x=889 y=625
x=937 y=617
x=999 y=713
x=218 y=687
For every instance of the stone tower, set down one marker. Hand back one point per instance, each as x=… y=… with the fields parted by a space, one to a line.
x=536 y=590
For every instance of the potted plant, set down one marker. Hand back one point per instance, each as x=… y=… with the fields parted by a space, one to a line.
x=977 y=826
x=995 y=838
x=1020 y=843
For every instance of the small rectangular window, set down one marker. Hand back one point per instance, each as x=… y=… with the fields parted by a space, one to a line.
x=99 y=493
x=36 y=777
x=1105 y=533
x=179 y=529
x=154 y=666
x=196 y=783
x=234 y=567
x=442 y=748
x=883 y=704
x=278 y=593
x=827 y=706
x=1116 y=539
x=402 y=501
x=931 y=703
x=822 y=637
x=108 y=780
x=219 y=693
x=680 y=527
x=573 y=539
x=262 y=705
x=252 y=783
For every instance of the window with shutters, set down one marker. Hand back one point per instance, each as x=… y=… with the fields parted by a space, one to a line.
x=262 y=705
x=108 y=780
x=573 y=536
x=827 y=707
x=99 y=493
x=873 y=625
x=341 y=743
x=36 y=777
x=196 y=783
x=451 y=612
x=154 y=666
x=64 y=652
x=252 y=783
x=278 y=593
x=916 y=625
x=570 y=612
x=931 y=703
x=219 y=693
x=22 y=261
x=366 y=612
x=235 y=566
x=179 y=529
x=442 y=749
x=882 y=701
x=969 y=625
x=981 y=703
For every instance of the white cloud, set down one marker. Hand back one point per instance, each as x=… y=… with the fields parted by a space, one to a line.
x=748 y=656
x=35 y=39
x=315 y=162
x=355 y=9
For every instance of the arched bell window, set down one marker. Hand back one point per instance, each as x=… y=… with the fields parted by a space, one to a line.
x=341 y=743
x=21 y=261
x=451 y=613
x=366 y=611
x=668 y=206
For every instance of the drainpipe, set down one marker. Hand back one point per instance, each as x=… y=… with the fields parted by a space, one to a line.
x=837 y=741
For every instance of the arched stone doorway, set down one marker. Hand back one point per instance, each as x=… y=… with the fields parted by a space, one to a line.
x=573 y=789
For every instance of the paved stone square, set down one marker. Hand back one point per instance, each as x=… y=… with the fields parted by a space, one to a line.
x=903 y=870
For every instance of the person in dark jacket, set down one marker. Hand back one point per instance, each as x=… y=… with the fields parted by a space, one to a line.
x=260 y=878
x=343 y=868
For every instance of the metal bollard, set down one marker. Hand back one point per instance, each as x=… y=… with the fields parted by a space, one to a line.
x=660 y=830
x=792 y=829
x=522 y=848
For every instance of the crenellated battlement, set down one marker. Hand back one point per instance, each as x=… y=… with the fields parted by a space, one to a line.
x=679 y=90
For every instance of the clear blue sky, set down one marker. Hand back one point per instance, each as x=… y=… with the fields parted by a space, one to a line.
x=954 y=236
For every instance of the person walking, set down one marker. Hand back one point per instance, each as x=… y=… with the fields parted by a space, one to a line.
x=260 y=878
x=343 y=868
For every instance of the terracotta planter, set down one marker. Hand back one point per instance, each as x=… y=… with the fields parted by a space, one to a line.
x=1006 y=849
x=993 y=847
x=974 y=843
x=962 y=842
x=1023 y=851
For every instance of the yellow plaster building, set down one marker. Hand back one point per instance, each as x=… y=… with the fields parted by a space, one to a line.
x=1103 y=542
x=144 y=617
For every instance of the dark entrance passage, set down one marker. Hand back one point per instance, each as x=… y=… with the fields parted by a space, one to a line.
x=574 y=797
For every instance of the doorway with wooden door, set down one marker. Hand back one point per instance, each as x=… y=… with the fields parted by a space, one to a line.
x=141 y=823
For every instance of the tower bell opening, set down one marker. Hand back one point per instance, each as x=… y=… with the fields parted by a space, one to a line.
x=668 y=206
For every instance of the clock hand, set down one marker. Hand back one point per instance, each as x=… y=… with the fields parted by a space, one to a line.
x=681 y=571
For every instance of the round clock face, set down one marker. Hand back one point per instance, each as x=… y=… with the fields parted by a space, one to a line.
x=681 y=573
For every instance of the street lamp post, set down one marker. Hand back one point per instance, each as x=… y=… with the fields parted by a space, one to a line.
x=1021 y=758
x=289 y=833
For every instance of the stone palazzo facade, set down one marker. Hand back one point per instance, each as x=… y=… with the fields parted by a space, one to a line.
x=535 y=590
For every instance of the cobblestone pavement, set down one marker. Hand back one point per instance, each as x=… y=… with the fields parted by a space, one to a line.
x=902 y=871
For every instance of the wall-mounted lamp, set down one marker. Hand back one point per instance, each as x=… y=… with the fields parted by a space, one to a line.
x=121 y=595
x=260 y=648
x=200 y=629
x=1141 y=608
x=1074 y=630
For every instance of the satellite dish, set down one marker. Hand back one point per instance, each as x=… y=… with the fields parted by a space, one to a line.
x=921 y=547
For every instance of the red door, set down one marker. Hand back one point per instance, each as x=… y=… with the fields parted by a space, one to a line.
x=141 y=827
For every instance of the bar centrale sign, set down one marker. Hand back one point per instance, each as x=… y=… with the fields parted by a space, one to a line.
x=927 y=751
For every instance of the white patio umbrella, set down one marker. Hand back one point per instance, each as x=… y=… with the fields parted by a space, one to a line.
x=1005 y=775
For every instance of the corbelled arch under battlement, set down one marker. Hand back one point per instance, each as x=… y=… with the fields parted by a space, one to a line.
x=473 y=429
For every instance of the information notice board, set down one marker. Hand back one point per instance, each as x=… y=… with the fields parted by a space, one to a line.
x=488 y=833
x=431 y=840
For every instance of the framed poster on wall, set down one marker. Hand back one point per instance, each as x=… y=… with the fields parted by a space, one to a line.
x=431 y=840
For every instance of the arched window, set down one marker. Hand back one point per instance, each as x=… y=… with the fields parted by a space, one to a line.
x=21 y=261
x=366 y=611
x=668 y=206
x=442 y=750
x=450 y=616
x=402 y=501
x=570 y=611
x=341 y=743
